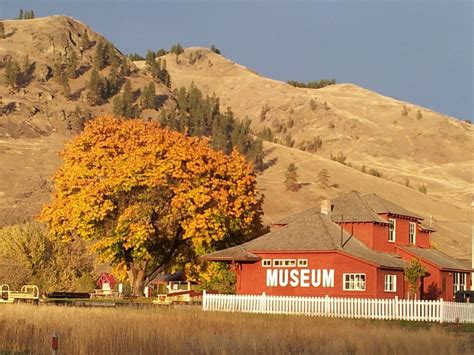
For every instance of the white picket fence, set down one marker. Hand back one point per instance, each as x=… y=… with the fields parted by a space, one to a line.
x=394 y=309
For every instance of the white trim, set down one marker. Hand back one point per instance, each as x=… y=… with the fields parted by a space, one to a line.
x=394 y=231
x=266 y=261
x=284 y=262
x=302 y=262
x=392 y=282
x=410 y=225
x=354 y=282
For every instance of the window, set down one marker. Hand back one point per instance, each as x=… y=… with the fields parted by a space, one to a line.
x=354 y=282
x=284 y=262
x=412 y=233
x=391 y=230
x=459 y=281
x=266 y=262
x=390 y=283
x=290 y=262
x=302 y=262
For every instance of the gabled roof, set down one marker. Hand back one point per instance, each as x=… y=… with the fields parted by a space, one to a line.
x=307 y=231
x=352 y=207
x=237 y=253
x=436 y=257
x=381 y=205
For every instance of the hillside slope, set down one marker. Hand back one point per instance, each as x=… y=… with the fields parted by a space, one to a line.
x=36 y=121
x=401 y=140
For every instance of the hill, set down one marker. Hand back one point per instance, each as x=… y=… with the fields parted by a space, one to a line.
x=406 y=143
x=364 y=127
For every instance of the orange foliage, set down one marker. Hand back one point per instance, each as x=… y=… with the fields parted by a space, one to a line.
x=146 y=196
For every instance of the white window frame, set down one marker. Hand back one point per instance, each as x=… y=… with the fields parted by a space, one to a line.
x=392 y=230
x=412 y=236
x=390 y=283
x=302 y=262
x=459 y=282
x=284 y=262
x=266 y=262
x=355 y=280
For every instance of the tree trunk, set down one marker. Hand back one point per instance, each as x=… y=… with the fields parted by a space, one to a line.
x=136 y=276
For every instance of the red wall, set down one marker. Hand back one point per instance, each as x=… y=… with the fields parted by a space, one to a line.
x=362 y=231
x=437 y=284
x=375 y=236
x=423 y=239
x=251 y=278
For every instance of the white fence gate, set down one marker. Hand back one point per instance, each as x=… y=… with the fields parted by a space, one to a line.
x=395 y=309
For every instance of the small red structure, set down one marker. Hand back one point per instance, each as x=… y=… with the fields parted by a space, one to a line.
x=354 y=246
x=106 y=281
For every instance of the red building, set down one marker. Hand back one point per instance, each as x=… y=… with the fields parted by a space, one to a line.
x=354 y=246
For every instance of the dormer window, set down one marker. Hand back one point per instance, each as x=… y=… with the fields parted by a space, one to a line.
x=391 y=230
x=412 y=233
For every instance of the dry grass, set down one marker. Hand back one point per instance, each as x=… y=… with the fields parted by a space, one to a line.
x=27 y=329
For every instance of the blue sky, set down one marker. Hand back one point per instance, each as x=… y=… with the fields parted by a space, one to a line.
x=416 y=51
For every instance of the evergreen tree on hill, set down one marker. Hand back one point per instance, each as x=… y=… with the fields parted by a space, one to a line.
x=71 y=65
x=123 y=104
x=85 y=41
x=200 y=115
x=148 y=97
x=2 y=30
x=96 y=88
x=100 y=56
x=291 y=178
x=21 y=15
x=12 y=73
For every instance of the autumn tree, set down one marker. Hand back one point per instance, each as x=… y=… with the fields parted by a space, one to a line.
x=291 y=178
x=414 y=272
x=33 y=257
x=148 y=199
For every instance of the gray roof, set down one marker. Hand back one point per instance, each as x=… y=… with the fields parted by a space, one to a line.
x=440 y=259
x=308 y=231
x=352 y=207
x=381 y=205
x=237 y=253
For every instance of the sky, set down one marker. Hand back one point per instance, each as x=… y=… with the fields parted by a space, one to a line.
x=418 y=51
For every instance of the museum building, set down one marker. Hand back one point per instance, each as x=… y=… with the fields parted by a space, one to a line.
x=353 y=246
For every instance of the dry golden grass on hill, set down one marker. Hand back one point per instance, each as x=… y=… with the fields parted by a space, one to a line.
x=368 y=128
x=419 y=147
x=28 y=329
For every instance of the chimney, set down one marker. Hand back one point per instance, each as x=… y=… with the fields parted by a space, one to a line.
x=326 y=207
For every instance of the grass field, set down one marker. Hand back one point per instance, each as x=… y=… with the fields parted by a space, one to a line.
x=27 y=329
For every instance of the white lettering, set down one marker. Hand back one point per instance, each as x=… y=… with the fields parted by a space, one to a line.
x=315 y=282
x=294 y=278
x=272 y=278
x=328 y=278
x=305 y=278
x=300 y=277
x=283 y=279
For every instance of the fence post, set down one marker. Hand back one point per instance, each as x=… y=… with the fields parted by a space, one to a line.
x=395 y=305
x=204 y=300
x=326 y=305
x=263 y=305
x=441 y=310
